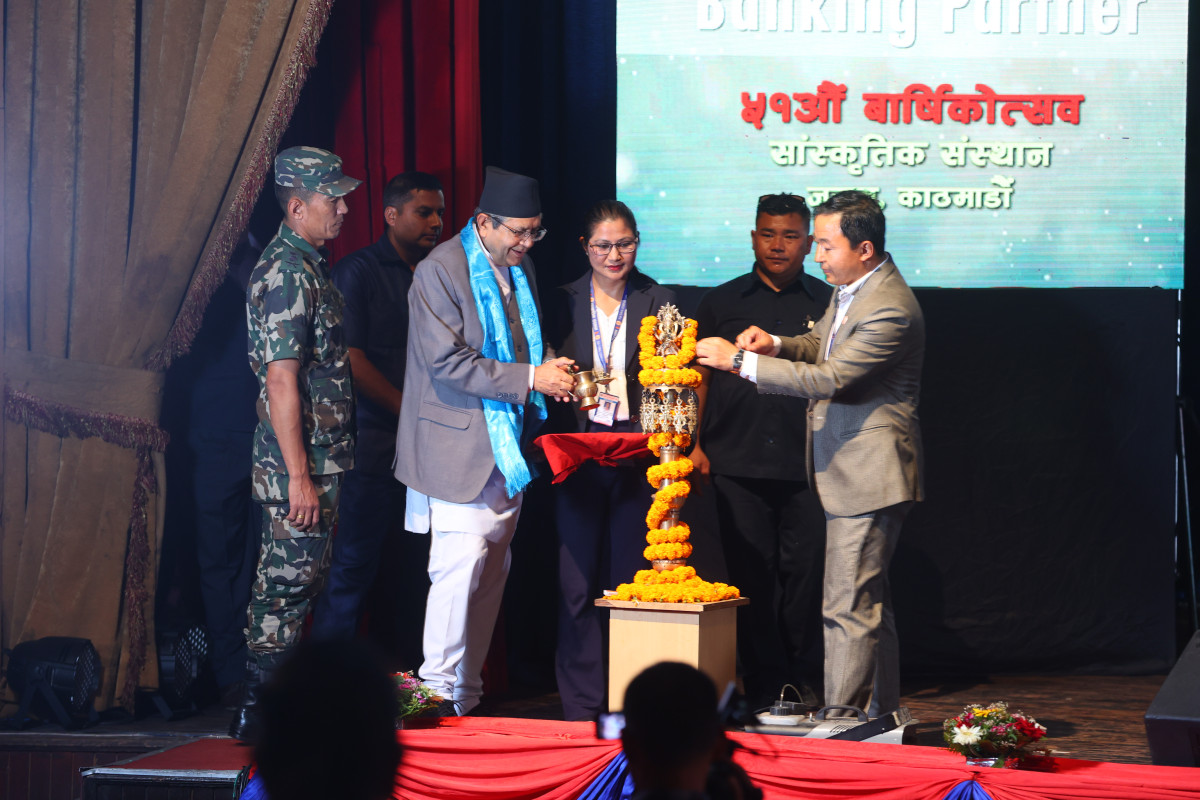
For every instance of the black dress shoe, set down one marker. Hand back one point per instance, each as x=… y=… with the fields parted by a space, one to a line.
x=442 y=708
x=232 y=695
x=246 y=725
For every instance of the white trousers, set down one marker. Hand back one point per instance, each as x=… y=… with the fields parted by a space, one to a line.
x=468 y=566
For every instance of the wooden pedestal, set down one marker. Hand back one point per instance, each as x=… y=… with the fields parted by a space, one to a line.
x=641 y=634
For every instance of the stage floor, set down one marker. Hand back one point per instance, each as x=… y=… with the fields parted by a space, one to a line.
x=1097 y=718
x=1092 y=717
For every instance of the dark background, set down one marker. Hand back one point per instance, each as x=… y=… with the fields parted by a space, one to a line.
x=1048 y=539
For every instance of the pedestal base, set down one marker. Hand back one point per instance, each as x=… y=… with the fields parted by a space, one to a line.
x=642 y=634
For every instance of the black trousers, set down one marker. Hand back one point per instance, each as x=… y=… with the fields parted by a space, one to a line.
x=227 y=533
x=601 y=515
x=773 y=535
x=378 y=568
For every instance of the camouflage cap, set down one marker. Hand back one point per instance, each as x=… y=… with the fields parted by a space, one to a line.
x=314 y=169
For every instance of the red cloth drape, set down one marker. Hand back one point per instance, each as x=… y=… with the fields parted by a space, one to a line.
x=500 y=758
x=565 y=452
x=497 y=759
x=517 y=758
x=408 y=78
x=790 y=767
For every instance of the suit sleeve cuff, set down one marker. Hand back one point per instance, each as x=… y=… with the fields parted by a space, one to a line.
x=749 y=369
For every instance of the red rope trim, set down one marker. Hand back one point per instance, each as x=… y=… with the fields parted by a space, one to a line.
x=211 y=271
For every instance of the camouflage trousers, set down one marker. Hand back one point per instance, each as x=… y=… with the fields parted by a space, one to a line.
x=291 y=571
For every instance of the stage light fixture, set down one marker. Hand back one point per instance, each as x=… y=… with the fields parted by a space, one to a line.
x=56 y=676
x=182 y=660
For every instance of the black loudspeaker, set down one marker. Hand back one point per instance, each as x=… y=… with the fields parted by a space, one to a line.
x=56 y=677
x=182 y=673
x=1173 y=720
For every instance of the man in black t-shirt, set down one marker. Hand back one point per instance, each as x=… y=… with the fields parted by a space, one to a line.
x=375 y=282
x=752 y=447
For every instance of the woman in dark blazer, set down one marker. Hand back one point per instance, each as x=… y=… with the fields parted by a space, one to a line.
x=601 y=511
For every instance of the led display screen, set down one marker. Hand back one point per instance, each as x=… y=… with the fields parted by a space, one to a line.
x=1011 y=142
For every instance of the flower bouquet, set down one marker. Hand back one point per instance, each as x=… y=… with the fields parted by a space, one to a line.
x=992 y=734
x=412 y=696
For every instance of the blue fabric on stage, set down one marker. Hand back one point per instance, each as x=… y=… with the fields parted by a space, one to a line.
x=614 y=783
x=254 y=790
x=968 y=790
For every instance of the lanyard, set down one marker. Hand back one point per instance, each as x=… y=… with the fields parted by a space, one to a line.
x=602 y=354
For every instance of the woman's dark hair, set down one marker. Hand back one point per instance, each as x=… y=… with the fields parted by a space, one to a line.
x=607 y=209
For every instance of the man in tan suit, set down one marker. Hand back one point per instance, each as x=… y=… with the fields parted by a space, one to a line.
x=860 y=370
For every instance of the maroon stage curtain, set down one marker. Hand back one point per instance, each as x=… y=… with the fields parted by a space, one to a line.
x=409 y=100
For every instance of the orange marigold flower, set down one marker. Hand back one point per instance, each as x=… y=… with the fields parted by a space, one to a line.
x=657 y=513
x=674 y=470
x=673 y=491
x=674 y=535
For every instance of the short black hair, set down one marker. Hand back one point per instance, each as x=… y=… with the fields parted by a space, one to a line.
x=671 y=715
x=283 y=194
x=778 y=205
x=335 y=700
x=862 y=218
x=493 y=217
x=400 y=188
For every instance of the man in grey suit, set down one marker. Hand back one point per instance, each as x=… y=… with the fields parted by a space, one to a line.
x=860 y=370
x=474 y=392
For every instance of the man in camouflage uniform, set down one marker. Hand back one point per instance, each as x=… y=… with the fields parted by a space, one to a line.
x=304 y=440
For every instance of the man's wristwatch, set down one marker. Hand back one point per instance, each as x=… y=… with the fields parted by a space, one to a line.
x=737 y=361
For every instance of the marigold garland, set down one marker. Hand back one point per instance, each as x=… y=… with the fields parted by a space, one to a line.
x=673 y=491
x=661 y=505
x=657 y=513
x=669 y=377
x=676 y=534
x=647 y=345
x=668 y=551
x=678 y=585
x=681 y=584
x=660 y=440
x=673 y=470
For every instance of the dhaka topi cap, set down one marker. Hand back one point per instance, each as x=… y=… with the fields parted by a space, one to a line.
x=314 y=169
x=507 y=194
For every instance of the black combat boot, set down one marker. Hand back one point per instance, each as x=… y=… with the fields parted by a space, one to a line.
x=247 y=722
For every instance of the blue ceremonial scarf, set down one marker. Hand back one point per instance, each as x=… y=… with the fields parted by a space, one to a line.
x=504 y=420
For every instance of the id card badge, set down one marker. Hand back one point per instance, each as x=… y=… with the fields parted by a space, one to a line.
x=606 y=413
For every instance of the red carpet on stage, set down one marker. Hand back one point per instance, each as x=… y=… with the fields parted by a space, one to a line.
x=497 y=759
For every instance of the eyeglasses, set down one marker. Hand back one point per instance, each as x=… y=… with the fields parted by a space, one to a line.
x=534 y=235
x=624 y=247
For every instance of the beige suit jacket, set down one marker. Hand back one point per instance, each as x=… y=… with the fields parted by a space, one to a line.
x=864 y=440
